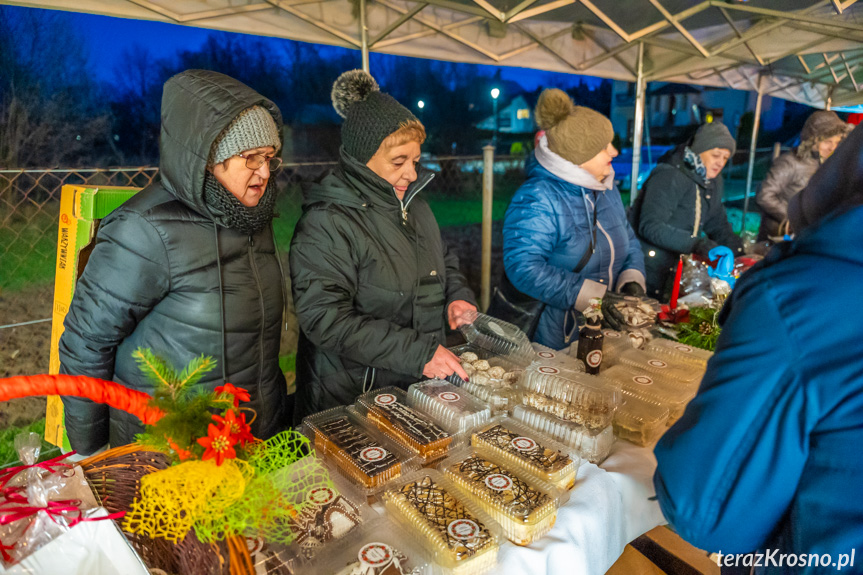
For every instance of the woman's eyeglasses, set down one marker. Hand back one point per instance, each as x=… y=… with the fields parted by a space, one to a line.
x=255 y=161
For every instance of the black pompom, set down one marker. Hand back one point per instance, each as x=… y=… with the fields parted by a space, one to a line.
x=352 y=87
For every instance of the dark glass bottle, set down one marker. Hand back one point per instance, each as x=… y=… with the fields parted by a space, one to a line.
x=590 y=345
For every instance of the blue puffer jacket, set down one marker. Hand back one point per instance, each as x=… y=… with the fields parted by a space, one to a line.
x=767 y=455
x=545 y=234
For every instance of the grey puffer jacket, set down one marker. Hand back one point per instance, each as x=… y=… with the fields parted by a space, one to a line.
x=372 y=281
x=787 y=176
x=165 y=275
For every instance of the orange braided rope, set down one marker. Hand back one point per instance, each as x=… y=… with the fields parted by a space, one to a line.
x=98 y=390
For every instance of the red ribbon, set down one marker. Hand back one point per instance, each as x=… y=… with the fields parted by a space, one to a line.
x=50 y=465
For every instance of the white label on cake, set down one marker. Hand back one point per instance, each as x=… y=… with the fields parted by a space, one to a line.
x=683 y=348
x=548 y=370
x=372 y=454
x=594 y=358
x=449 y=396
x=657 y=363
x=463 y=529
x=375 y=554
x=610 y=333
x=523 y=444
x=385 y=399
x=545 y=354
x=642 y=380
x=498 y=482
x=321 y=495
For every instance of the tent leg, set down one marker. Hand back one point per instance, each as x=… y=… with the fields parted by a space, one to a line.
x=364 y=35
x=487 y=198
x=756 y=124
x=638 y=125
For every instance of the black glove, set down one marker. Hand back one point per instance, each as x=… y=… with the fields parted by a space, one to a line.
x=632 y=288
x=611 y=316
x=702 y=247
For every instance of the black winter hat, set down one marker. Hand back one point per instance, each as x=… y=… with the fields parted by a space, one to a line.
x=370 y=115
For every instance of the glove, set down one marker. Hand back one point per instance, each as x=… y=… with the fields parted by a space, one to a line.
x=702 y=247
x=611 y=316
x=641 y=311
x=632 y=288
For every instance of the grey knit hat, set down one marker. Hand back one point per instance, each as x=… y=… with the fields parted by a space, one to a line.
x=252 y=128
x=370 y=115
x=713 y=135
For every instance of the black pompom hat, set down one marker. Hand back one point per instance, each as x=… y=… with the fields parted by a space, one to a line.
x=370 y=115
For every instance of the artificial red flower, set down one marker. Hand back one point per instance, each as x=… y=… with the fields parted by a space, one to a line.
x=219 y=443
x=239 y=393
x=240 y=430
x=183 y=454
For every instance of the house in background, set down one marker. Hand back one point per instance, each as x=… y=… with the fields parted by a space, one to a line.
x=673 y=110
x=515 y=118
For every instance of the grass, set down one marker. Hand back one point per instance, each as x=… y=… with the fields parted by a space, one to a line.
x=28 y=248
x=8 y=455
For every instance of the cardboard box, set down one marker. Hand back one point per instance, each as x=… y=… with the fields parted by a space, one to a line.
x=81 y=210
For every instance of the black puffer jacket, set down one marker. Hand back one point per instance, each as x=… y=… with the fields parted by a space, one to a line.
x=663 y=218
x=165 y=275
x=371 y=282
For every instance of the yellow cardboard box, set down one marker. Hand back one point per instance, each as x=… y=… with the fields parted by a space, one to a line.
x=81 y=210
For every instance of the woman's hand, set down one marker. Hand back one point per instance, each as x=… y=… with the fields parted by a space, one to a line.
x=443 y=364
x=456 y=313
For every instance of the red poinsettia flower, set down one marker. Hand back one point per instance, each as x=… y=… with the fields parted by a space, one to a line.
x=239 y=393
x=183 y=454
x=240 y=430
x=218 y=444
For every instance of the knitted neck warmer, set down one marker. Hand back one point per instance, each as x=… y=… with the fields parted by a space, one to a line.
x=227 y=210
x=694 y=163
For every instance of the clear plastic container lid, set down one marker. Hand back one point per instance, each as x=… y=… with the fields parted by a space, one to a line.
x=329 y=509
x=449 y=406
x=654 y=387
x=498 y=337
x=377 y=548
x=588 y=400
x=357 y=450
x=592 y=446
x=613 y=344
x=520 y=447
x=388 y=410
x=680 y=352
x=663 y=366
x=484 y=368
x=561 y=359
x=640 y=421
x=524 y=505
x=500 y=400
x=454 y=530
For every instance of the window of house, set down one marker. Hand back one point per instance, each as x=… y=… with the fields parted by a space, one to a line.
x=523 y=114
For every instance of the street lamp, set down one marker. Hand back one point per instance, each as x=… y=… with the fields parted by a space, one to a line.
x=421 y=105
x=494 y=94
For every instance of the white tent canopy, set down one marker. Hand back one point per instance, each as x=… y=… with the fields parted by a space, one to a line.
x=808 y=52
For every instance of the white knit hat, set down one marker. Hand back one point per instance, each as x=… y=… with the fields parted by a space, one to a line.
x=252 y=128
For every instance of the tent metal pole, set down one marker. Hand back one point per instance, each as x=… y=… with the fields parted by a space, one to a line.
x=487 y=201
x=756 y=124
x=364 y=36
x=638 y=125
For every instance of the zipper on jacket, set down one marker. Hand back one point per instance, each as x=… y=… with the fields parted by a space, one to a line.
x=263 y=308
x=412 y=194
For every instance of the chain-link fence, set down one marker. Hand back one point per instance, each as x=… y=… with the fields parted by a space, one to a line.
x=30 y=207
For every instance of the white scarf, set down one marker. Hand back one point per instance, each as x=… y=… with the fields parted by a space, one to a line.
x=569 y=172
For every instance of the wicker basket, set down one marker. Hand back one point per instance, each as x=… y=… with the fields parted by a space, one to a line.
x=115 y=477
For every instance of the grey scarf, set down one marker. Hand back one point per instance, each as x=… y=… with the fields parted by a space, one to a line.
x=227 y=210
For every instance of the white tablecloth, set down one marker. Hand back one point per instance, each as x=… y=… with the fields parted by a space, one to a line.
x=609 y=506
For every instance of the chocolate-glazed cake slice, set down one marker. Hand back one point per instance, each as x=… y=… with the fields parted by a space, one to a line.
x=356 y=453
x=407 y=425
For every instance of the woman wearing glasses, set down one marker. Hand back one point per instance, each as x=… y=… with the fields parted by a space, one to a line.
x=187 y=266
x=374 y=285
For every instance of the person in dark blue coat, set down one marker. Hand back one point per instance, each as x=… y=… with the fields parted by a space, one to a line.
x=569 y=206
x=767 y=455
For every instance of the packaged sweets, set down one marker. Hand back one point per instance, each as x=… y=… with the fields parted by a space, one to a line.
x=679 y=352
x=356 y=450
x=520 y=447
x=498 y=337
x=613 y=344
x=499 y=400
x=523 y=505
x=583 y=399
x=663 y=366
x=562 y=359
x=389 y=411
x=592 y=445
x=460 y=536
x=484 y=368
x=640 y=421
x=449 y=406
x=653 y=387
x=377 y=548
